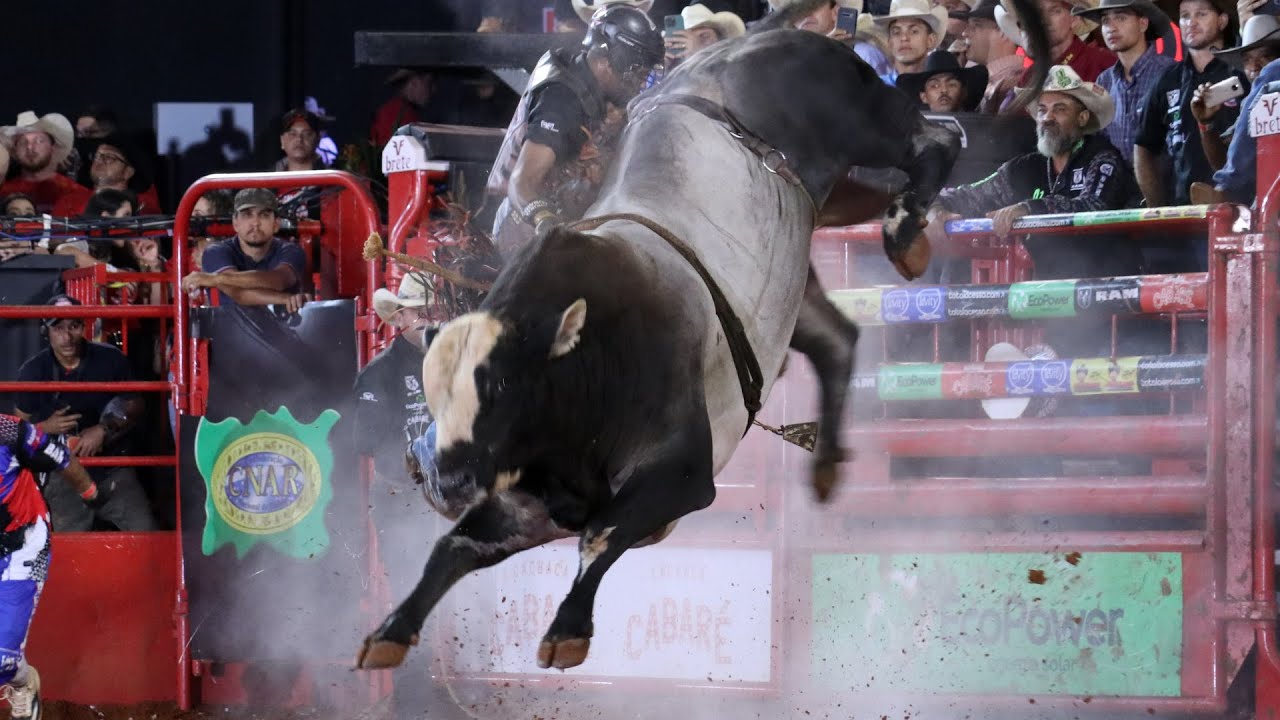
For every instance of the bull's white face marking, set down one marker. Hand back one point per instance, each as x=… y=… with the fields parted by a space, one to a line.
x=592 y=548
x=448 y=375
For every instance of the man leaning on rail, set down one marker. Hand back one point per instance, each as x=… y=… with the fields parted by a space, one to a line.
x=1075 y=169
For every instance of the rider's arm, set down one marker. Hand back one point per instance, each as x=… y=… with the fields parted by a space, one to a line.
x=529 y=174
x=40 y=453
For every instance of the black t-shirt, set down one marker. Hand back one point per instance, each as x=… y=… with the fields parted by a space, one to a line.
x=391 y=409
x=557 y=117
x=1169 y=127
x=100 y=363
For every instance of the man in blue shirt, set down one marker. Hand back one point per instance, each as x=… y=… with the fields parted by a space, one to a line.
x=1130 y=28
x=255 y=267
x=1237 y=180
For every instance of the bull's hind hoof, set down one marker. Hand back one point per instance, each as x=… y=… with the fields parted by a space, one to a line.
x=563 y=654
x=380 y=654
x=825 y=477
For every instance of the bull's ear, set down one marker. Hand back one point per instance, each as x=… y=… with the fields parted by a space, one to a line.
x=571 y=322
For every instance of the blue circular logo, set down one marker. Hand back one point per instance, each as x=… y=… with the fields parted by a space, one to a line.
x=264 y=482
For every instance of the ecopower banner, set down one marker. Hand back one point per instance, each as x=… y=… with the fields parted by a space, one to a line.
x=274 y=539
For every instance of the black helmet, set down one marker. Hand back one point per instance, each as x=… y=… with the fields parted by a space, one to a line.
x=627 y=34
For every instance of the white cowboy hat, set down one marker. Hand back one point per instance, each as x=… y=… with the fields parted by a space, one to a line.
x=780 y=4
x=727 y=24
x=413 y=293
x=935 y=18
x=55 y=125
x=1007 y=20
x=1258 y=30
x=586 y=9
x=1094 y=97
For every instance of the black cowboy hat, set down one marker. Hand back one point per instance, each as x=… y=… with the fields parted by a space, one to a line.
x=974 y=78
x=1160 y=25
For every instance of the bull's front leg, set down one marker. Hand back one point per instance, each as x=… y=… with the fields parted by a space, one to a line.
x=490 y=532
x=933 y=153
x=827 y=338
x=656 y=495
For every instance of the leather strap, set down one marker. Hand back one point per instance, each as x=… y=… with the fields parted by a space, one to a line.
x=750 y=377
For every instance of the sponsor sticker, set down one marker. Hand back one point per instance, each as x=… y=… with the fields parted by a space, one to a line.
x=1102 y=376
x=1174 y=293
x=910 y=381
x=974 y=381
x=1171 y=372
x=1109 y=295
x=913 y=305
x=970 y=301
x=861 y=306
x=1106 y=217
x=1028 y=378
x=1051 y=298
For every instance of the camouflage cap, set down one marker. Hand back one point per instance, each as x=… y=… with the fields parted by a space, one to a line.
x=255 y=198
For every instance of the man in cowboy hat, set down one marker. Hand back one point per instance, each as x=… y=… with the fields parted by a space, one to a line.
x=1166 y=120
x=1236 y=180
x=117 y=163
x=945 y=87
x=914 y=30
x=38 y=145
x=702 y=29
x=868 y=40
x=994 y=50
x=1129 y=28
x=1075 y=167
x=560 y=142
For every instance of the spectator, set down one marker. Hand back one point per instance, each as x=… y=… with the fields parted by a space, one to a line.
x=1165 y=131
x=1088 y=61
x=957 y=20
x=15 y=205
x=866 y=41
x=106 y=204
x=914 y=30
x=1237 y=180
x=945 y=87
x=94 y=423
x=26 y=452
x=18 y=205
x=255 y=267
x=702 y=28
x=299 y=137
x=213 y=204
x=39 y=145
x=1074 y=169
x=1259 y=45
x=1130 y=28
x=116 y=163
x=96 y=122
x=991 y=48
x=413 y=91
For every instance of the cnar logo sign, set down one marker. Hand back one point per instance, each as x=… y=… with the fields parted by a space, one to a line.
x=267 y=481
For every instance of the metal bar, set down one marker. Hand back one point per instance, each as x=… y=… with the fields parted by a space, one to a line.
x=45 y=312
x=130 y=461
x=970 y=497
x=488 y=50
x=1084 y=541
x=1158 y=435
x=10 y=386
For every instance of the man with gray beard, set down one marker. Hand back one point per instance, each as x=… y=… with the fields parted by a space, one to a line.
x=1075 y=169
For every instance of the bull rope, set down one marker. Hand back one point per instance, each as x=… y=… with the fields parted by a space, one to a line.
x=803 y=435
x=373 y=249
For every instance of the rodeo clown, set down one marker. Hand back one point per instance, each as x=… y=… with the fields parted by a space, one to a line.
x=24 y=547
x=561 y=140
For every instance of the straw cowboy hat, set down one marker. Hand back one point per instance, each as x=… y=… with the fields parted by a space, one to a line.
x=727 y=24
x=413 y=294
x=935 y=18
x=1094 y=97
x=1258 y=30
x=586 y=9
x=1160 y=24
x=55 y=125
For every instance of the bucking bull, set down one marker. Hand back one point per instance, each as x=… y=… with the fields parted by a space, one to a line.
x=609 y=375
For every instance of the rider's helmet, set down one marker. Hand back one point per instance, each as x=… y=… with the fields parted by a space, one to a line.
x=629 y=38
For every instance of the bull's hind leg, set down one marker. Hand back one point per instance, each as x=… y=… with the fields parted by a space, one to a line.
x=825 y=336
x=655 y=495
x=487 y=534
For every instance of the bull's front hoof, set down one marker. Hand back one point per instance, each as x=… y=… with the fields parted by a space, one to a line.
x=914 y=260
x=563 y=654
x=386 y=646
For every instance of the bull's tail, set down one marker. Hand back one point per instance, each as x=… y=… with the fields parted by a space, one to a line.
x=1037 y=39
x=788 y=15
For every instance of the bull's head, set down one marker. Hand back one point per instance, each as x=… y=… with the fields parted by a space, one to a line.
x=480 y=377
